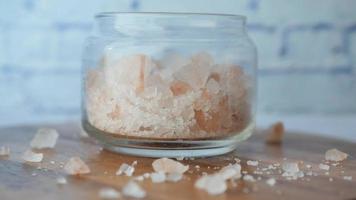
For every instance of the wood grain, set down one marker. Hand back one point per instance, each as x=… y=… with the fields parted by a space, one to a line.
x=19 y=180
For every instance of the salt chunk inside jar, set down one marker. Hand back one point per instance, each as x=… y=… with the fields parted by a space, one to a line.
x=169 y=84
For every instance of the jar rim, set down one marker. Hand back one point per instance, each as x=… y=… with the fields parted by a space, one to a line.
x=111 y=14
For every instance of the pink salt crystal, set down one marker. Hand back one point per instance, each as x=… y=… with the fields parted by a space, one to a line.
x=213 y=184
x=275 y=133
x=167 y=165
x=335 y=155
x=75 y=166
x=252 y=162
x=44 y=138
x=30 y=156
x=4 y=151
x=132 y=189
x=324 y=167
x=109 y=193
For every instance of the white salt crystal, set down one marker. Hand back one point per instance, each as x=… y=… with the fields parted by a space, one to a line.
x=167 y=165
x=180 y=158
x=61 y=180
x=335 y=155
x=146 y=175
x=75 y=166
x=348 y=178
x=109 y=193
x=324 y=167
x=139 y=178
x=248 y=178
x=213 y=184
x=331 y=179
x=4 y=151
x=174 y=177
x=158 y=177
x=44 y=138
x=132 y=189
x=230 y=171
x=128 y=170
x=252 y=162
x=271 y=181
x=30 y=156
x=308 y=166
x=290 y=167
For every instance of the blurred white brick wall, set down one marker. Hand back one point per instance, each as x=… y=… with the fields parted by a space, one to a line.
x=307 y=52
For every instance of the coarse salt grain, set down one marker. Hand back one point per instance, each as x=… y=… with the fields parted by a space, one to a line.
x=271 y=181
x=348 y=178
x=61 y=180
x=158 y=177
x=30 y=156
x=167 y=165
x=132 y=189
x=174 y=177
x=275 y=133
x=252 y=162
x=75 y=166
x=231 y=171
x=248 y=178
x=290 y=167
x=213 y=184
x=335 y=155
x=126 y=169
x=4 y=151
x=324 y=167
x=44 y=138
x=109 y=193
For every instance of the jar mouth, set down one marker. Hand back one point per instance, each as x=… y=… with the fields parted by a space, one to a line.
x=177 y=14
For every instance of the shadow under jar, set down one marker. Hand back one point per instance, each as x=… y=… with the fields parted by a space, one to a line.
x=169 y=84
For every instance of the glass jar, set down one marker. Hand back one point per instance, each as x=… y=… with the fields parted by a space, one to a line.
x=169 y=84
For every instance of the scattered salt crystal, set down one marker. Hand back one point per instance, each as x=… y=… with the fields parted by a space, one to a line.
x=146 y=175
x=275 y=133
x=248 y=178
x=331 y=179
x=4 y=151
x=169 y=166
x=132 y=189
x=324 y=167
x=158 y=177
x=44 y=138
x=61 y=180
x=308 y=166
x=290 y=167
x=30 y=156
x=335 y=155
x=75 y=166
x=139 y=178
x=213 y=184
x=271 y=181
x=128 y=170
x=310 y=173
x=348 y=178
x=252 y=162
x=109 y=193
x=174 y=177
x=230 y=171
x=52 y=162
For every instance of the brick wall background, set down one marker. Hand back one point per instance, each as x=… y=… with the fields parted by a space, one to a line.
x=307 y=53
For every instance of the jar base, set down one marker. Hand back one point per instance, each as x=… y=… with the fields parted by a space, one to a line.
x=168 y=148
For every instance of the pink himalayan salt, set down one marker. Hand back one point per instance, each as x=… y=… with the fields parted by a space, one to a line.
x=335 y=155
x=113 y=96
x=44 y=138
x=30 y=156
x=75 y=166
x=275 y=133
x=167 y=165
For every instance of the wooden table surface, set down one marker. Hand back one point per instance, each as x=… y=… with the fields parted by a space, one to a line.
x=19 y=180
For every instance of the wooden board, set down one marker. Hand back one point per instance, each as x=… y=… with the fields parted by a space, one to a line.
x=19 y=180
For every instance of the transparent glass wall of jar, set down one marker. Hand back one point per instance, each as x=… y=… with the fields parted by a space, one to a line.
x=169 y=84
